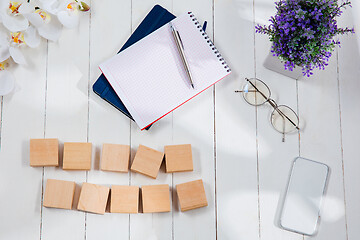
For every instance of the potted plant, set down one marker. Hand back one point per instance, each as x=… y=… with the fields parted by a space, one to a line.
x=302 y=33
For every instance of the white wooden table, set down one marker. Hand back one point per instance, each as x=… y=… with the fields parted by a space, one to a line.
x=239 y=156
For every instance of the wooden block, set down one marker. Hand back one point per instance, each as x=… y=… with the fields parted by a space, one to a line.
x=77 y=156
x=124 y=199
x=44 y=152
x=178 y=158
x=156 y=198
x=59 y=194
x=147 y=161
x=191 y=195
x=115 y=157
x=93 y=198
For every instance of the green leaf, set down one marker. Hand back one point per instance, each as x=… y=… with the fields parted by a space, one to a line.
x=84 y=7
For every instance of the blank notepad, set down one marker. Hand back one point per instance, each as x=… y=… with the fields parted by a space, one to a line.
x=149 y=76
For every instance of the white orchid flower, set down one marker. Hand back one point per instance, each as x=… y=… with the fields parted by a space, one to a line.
x=27 y=24
x=11 y=14
x=67 y=11
x=7 y=80
x=45 y=22
x=68 y=14
x=10 y=44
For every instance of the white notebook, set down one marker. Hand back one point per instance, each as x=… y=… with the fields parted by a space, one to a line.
x=149 y=76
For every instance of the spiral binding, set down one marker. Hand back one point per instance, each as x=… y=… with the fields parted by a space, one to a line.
x=211 y=44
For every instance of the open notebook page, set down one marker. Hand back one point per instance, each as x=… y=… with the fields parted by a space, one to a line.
x=149 y=76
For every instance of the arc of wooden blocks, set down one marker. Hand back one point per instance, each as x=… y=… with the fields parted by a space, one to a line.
x=114 y=157
x=124 y=199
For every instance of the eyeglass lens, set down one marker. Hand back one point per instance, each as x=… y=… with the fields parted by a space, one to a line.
x=284 y=119
x=255 y=92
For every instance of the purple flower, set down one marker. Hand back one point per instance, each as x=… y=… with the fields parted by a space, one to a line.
x=302 y=32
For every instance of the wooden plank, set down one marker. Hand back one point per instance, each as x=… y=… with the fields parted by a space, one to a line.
x=67 y=119
x=274 y=156
x=349 y=85
x=22 y=119
x=110 y=28
x=156 y=225
x=319 y=105
x=1 y=116
x=236 y=200
x=193 y=124
x=237 y=187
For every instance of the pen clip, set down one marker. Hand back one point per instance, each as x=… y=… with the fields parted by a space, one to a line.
x=176 y=32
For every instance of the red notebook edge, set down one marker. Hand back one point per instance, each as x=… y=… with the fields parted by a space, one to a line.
x=181 y=103
x=186 y=101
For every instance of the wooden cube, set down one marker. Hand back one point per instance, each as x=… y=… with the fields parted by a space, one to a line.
x=77 y=156
x=93 y=198
x=59 y=194
x=178 y=158
x=124 y=199
x=156 y=198
x=44 y=152
x=115 y=157
x=191 y=195
x=147 y=161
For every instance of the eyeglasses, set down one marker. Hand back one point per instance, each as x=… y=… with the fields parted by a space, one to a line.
x=283 y=118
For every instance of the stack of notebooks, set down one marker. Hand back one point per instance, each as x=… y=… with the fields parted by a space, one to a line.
x=147 y=80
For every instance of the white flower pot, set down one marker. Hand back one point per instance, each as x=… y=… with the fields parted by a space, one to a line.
x=274 y=64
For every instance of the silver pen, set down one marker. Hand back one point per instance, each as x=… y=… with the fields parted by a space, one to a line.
x=180 y=48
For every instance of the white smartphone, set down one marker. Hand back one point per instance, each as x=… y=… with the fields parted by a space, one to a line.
x=304 y=195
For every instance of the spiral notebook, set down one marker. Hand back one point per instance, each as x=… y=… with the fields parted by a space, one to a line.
x=156 y=18
x=149 y=76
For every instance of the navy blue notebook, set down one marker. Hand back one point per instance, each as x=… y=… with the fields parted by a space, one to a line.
x=156 y=18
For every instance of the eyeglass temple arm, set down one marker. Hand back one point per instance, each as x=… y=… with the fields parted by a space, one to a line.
x=245 y=91
x=283 y=133
x=272 y=104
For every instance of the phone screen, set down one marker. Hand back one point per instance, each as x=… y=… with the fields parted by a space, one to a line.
x=304 y=195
